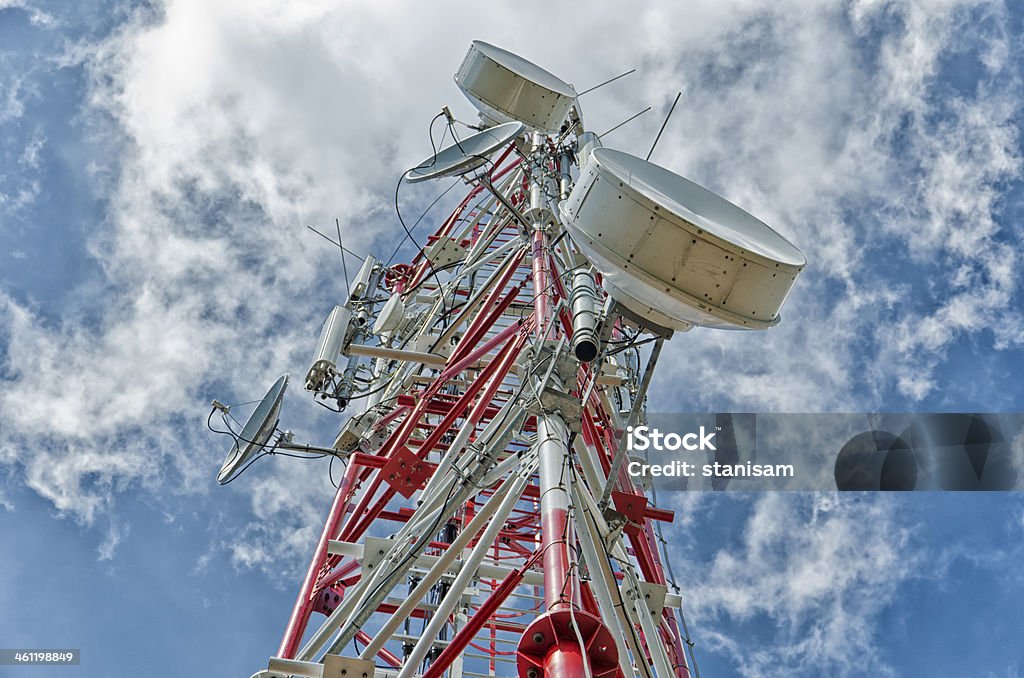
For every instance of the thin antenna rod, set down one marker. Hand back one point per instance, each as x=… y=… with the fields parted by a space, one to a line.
x=630 y=119
x=663 y=126
x=606 y=82
x=341 y=248
x=328 y=239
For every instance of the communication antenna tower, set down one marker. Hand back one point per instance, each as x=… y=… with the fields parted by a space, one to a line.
x=485 y=524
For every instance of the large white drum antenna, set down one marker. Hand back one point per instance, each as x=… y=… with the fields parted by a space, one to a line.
x=506 y=87
x=673 y=251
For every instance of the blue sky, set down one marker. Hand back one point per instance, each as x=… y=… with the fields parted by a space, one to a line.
x=159 y=163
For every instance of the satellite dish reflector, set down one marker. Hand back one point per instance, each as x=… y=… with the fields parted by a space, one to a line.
x=256 y=432
x=674 y=252
x=506 y=87
x=466 y=155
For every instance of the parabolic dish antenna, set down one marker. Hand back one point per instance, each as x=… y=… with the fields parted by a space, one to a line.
x=506 y=87
x=256 y=432
x=673 y=251
x=466 y=155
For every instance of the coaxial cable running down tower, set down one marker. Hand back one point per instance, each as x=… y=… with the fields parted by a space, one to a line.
x=485 y=523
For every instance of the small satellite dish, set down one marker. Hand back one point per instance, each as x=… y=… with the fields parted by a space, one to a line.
x=256 y=432
x=466 y=155
x=673 y=251
x=507 y=87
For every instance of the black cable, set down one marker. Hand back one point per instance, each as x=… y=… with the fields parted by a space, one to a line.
x=672 y=579
x=439 y=269
x=239 y=473
x=411 y=555
x=376 y=390
x=236 y=437
x=409 y=236
x=433 y=146
x=398 y=210
x=359 y=396
x=433 y=271
x=489 y=167
x=358 y=417
x=330 y=472
x=327 y=407
x=558 y=238
x=265 y=450
x=628 y=339
x=418 y=220
x=636 y=345
x=229 y=432
x=320 y=455
x=431 y=163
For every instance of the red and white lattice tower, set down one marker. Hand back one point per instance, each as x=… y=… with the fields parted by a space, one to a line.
x=485 y=524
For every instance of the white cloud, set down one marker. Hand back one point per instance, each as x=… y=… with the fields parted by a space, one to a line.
x=11 y=104
x=20 y=188
x=30 y=154
x=285 y=523
x=116 y=533
x=37 y=16
x=859 y=163
x=809 y=578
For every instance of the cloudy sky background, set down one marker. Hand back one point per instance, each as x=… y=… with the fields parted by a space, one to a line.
x=159 y=163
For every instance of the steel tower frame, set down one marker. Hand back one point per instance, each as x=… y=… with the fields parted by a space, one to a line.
x=485 y=524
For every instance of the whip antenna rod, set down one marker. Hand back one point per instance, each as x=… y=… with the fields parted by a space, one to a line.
x=657 y=138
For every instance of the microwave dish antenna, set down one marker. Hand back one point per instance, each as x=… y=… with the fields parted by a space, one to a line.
x=506 y=87
x=467 y=154
x=673 y=251
x=255 y=433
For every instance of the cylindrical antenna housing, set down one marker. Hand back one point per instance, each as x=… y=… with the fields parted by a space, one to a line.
x=584 y=302
x=361 y=283
x=332 y=339
x=586 y=143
